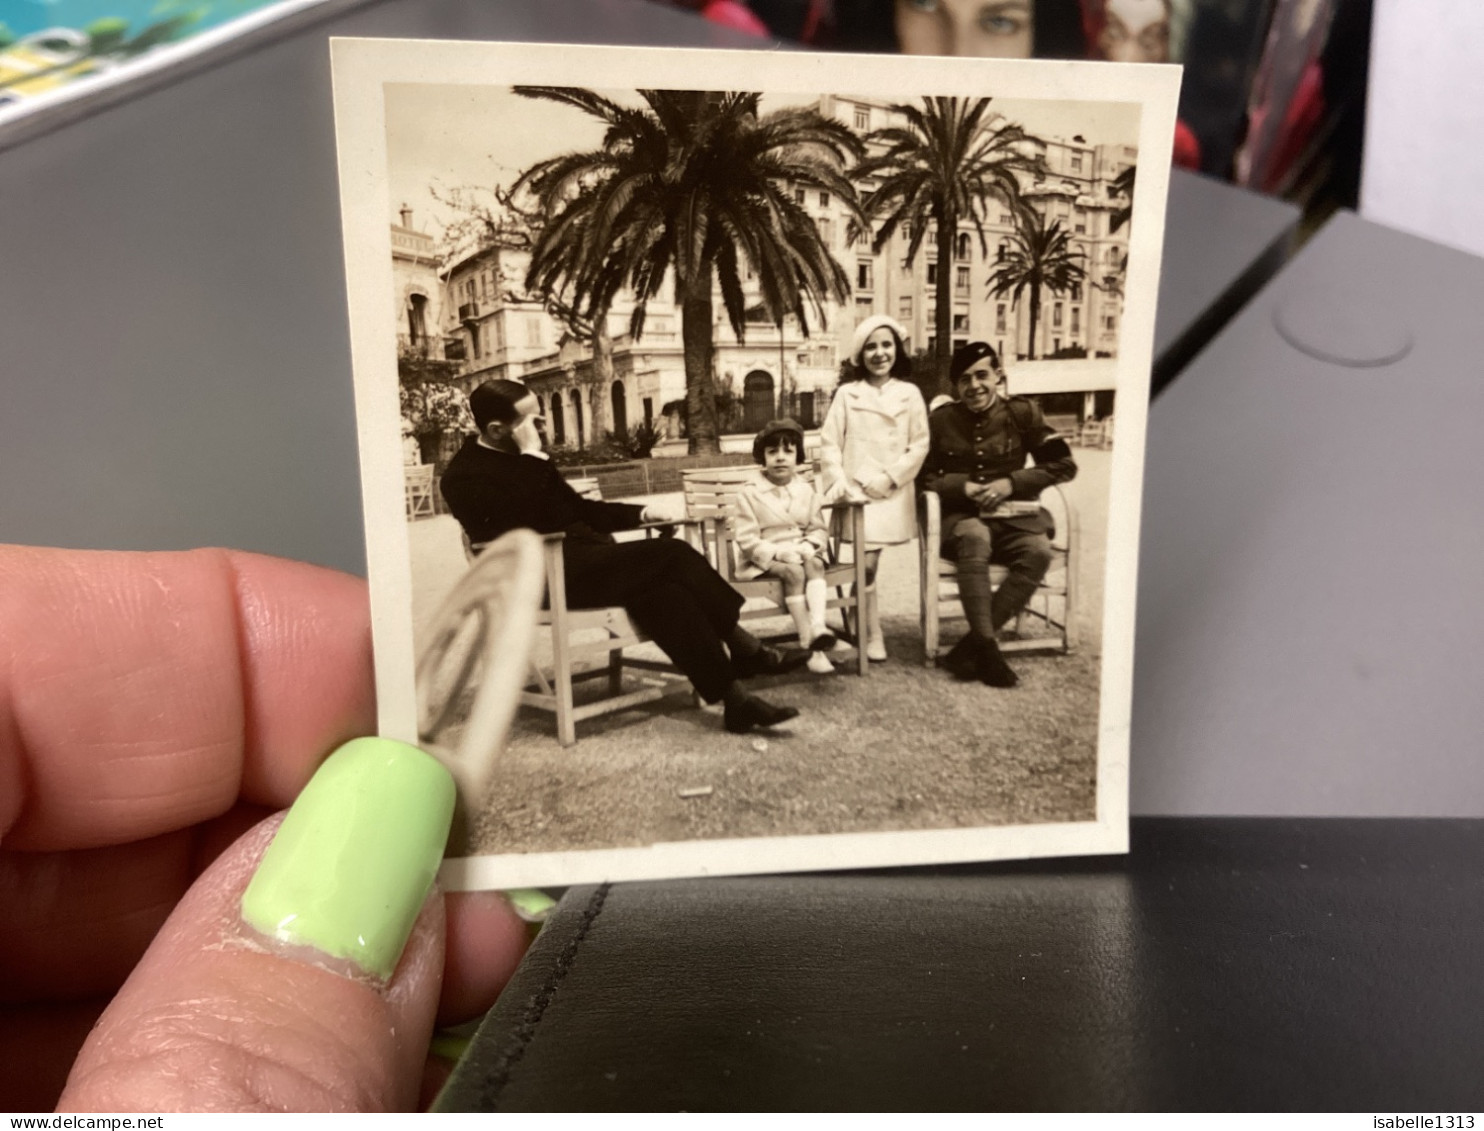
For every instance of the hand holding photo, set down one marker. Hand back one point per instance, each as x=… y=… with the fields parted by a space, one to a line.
x=772 y=376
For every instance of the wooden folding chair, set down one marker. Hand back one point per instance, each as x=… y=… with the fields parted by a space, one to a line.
x=419 y=490
x=710 y=508
x=1053 y=608
x=479 y=645
x=587 y=488
x=578 y=637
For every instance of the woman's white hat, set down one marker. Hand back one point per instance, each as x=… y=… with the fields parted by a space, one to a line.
x=869 y=327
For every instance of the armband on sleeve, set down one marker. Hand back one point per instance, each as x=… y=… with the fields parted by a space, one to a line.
x=1053 y=449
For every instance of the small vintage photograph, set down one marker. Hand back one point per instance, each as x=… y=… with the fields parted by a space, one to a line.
x=827 y=406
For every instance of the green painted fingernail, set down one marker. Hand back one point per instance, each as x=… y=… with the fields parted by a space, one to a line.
x=531 y=904
x=354 y=859
x=449 y=1046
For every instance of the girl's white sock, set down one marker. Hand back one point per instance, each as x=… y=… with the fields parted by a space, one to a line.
x=817 y=597
x=800 y=612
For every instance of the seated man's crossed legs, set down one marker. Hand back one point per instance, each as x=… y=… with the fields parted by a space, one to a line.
x=974 y=544
x=676 y=599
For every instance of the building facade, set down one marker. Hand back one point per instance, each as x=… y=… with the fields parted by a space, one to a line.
x=497 y=331
x=418 y=292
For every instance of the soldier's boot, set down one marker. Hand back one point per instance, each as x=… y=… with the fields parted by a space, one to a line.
x=992 y=667
x=962 y=660
x=1014 y=593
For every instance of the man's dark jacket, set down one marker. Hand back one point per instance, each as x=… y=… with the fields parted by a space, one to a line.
x=969 y=447
x=669 y=590
x=491 y=492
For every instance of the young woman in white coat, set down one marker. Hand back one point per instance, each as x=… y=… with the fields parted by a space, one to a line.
x=872 y=445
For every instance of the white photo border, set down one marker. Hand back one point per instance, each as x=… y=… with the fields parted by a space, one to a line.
x=362 y=67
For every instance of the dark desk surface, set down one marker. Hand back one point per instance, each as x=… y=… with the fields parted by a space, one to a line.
x=172 y=302
x=1223 y=965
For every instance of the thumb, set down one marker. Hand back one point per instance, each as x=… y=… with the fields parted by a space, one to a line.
x=301 y=972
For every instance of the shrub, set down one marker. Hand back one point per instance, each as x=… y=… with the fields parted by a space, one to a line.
x=640 y=441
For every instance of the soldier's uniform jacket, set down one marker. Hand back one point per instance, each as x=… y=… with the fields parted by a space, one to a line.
x=970 y=447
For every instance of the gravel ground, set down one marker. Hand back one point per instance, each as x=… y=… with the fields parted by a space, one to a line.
x=906 y=747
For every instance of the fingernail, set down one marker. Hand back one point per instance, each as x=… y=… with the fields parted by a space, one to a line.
x=354 y=859
x=531 y=904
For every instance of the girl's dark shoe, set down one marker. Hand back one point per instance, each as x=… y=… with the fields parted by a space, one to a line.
x=768 y=660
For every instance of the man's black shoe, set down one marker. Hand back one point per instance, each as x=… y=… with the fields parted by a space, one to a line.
x=769 y=661
x=962 y=662
x=992 y=667
x=744 y=711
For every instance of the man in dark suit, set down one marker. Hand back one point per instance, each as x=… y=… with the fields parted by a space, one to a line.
x=977 y=461
x=501 y=480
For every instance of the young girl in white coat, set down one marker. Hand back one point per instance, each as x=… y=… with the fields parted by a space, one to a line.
x=872 y=445
x=781 y=532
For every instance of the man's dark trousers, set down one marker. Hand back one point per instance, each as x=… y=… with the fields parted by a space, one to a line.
x=671 y=593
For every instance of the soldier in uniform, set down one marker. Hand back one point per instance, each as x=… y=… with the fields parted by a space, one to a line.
x=978 y=460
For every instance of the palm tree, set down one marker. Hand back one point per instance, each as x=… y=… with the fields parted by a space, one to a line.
x=1039 y=255
x=1123 y=185
x=948 y=164
x=694 y=185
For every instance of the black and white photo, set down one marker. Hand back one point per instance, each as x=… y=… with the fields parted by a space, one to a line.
x=822 y=381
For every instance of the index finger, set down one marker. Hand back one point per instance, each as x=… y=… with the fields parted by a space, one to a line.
x=141 y=693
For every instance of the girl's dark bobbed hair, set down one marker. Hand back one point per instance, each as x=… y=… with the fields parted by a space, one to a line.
x=775 y=430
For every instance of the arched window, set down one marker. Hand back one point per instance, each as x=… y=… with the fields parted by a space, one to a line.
x=577 y=417
x=417 y=322
x=620 y=410
x=962 y=251
x=558 y=425
x=757 y=400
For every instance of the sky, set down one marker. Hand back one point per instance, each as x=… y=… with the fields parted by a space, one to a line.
x=453 y=136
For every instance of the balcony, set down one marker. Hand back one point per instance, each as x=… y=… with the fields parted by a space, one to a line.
x=422 y=348
x=468 y=311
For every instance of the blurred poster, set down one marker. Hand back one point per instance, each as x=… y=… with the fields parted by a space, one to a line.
x=1286 y=106
x=68 y=53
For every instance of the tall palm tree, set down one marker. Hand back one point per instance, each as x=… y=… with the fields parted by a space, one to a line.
x=1040 y=255
x=949 y=163
x=694 y=185
x=1123 y=185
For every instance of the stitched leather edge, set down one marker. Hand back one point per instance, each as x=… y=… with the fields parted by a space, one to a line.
x=525 y=1030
